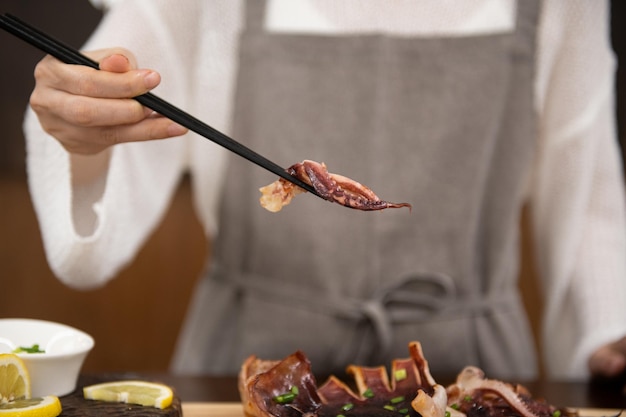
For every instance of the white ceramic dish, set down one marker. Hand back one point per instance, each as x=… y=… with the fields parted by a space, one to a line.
x=54 y=372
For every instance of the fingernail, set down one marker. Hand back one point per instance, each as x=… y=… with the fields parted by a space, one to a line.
x=151 y=79
x=120 y=56
x=176 y=130
x=149 y=113
x=114 y=57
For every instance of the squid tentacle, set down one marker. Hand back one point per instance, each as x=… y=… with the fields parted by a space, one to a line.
x=332 y=187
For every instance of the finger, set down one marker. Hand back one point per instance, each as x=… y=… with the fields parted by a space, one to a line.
x=123 y=59
x=116 y=63
x=87 y=81
x=147 y=129
x=82 y=80
x=84 y=111
x=607 y=362
x=113 y=59
x=86 y=141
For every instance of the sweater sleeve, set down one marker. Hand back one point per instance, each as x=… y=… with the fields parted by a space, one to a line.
x=90 y=236
x=577 y=196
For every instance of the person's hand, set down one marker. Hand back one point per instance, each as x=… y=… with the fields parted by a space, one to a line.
x=609 y=360
x=88 y=110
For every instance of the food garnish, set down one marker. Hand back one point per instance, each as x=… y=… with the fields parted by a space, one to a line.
x=15 y=391
x=29 y=349
x=14 y=379
x=47 y=406
x=131 y=392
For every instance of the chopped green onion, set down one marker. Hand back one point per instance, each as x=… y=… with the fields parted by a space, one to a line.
x=389 y=407
x=288 y=396
x=347 y=407
x=447 y=414
x=454 y=406
x=467 y=398
x=285 y=398
x=400 y=374
x=403 y=411
x=29 y=349
x=340 y=415
x=557 y=413
x=397 y=400
x=368 y=393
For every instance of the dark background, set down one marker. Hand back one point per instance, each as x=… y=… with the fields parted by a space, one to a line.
x=135 y=319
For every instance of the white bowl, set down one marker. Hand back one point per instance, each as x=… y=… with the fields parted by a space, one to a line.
x=54 y=372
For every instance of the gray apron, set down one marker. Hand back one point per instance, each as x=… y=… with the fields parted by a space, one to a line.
x=446 y=124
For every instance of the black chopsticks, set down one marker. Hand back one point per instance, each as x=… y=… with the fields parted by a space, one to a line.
x=69 y=55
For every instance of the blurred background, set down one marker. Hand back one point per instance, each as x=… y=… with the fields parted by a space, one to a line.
x=134 y=319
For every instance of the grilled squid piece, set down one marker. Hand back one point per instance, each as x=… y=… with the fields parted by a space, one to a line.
x=332 y=187
x=287 y=388
x=270 y=388
x=473 y=394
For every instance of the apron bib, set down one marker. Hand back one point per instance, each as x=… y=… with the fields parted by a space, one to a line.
x=446 y=124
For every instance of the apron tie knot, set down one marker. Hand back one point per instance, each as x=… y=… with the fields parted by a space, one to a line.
x=414 y=298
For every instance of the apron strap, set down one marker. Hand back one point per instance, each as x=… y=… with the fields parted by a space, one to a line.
x=417 y=298
x=255 y=14
x=526 y=25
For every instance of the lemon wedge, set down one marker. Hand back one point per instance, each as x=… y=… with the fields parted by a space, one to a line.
x=132 y=392
x=48 y=406
x=14 y=378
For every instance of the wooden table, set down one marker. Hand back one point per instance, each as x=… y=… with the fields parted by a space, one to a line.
x=235 y=410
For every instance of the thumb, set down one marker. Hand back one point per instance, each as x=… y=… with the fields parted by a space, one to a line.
x=115 y=63
x=114 y=59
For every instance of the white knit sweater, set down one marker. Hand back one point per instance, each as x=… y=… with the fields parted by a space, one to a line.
x=576 y=192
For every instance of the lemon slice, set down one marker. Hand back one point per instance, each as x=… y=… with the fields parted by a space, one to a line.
x=14 y=378
x=131 y=392
x=48 y=406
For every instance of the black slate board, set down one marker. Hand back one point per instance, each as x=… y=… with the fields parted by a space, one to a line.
x=75 y=404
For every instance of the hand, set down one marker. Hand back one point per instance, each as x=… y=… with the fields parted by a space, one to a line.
x=88 y=110
x=609 y=360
